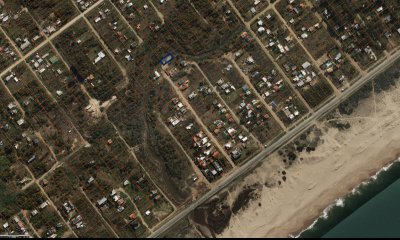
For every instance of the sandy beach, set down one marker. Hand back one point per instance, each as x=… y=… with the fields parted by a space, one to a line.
x=341 y=162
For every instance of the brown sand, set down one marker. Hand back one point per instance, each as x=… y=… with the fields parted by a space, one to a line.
x=340 y=163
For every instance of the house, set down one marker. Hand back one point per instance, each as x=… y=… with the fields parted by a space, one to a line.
x=102 y=201
x=20 y=224
x=21 y=227
x=261 y=30
x=9 y=77
x=153 y=193
x=25 y=44
x=34 y=213
x=20 y=122
x=126 y=183
x=128 y=57
x=156 y=75
x=242 y=138
x=217 y=166
x=304 y=35
x=44 y=205
x=120 y=201
x=132 y=216
x=36 y=64
x=99 y=57
x=33 y=158
x=11 y=105
x=207 y=152
x=35 y=38
x=195 y=178
x=53 y=59
x=79 y=225
x=179 y=105
x=306 y=64
x=134 y=225
x=113 y=192
x=201 y=162
x=288 y=113
x=250 y=60
x=208 y=175
x=76 y=220
x=231 y=131
x=68 y=207
x=174 y=121
x=49 y=29
x=192 y=95
x=91 y=179
x=235 y=154
x=120 y=208
x=188 y=127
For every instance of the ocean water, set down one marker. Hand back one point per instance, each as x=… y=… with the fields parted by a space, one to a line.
x=370 y=210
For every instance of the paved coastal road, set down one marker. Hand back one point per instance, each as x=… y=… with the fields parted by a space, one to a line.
x=251 y=164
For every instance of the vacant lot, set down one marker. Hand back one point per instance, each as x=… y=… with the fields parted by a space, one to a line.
x=119 y=37
x=140 y=14
x=249 y=8
x=8 y=54
x=50 y=15
x=88 y=61
x=19 y=25
x=44 y=113
x=63 y=188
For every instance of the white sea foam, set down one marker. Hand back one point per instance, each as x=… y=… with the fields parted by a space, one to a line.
x=339 y=202
x=355 y=191
x=324 y=215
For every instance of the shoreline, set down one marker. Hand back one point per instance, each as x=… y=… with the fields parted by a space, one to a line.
x=342 y=162
x=339 y=202
x=334 y=196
